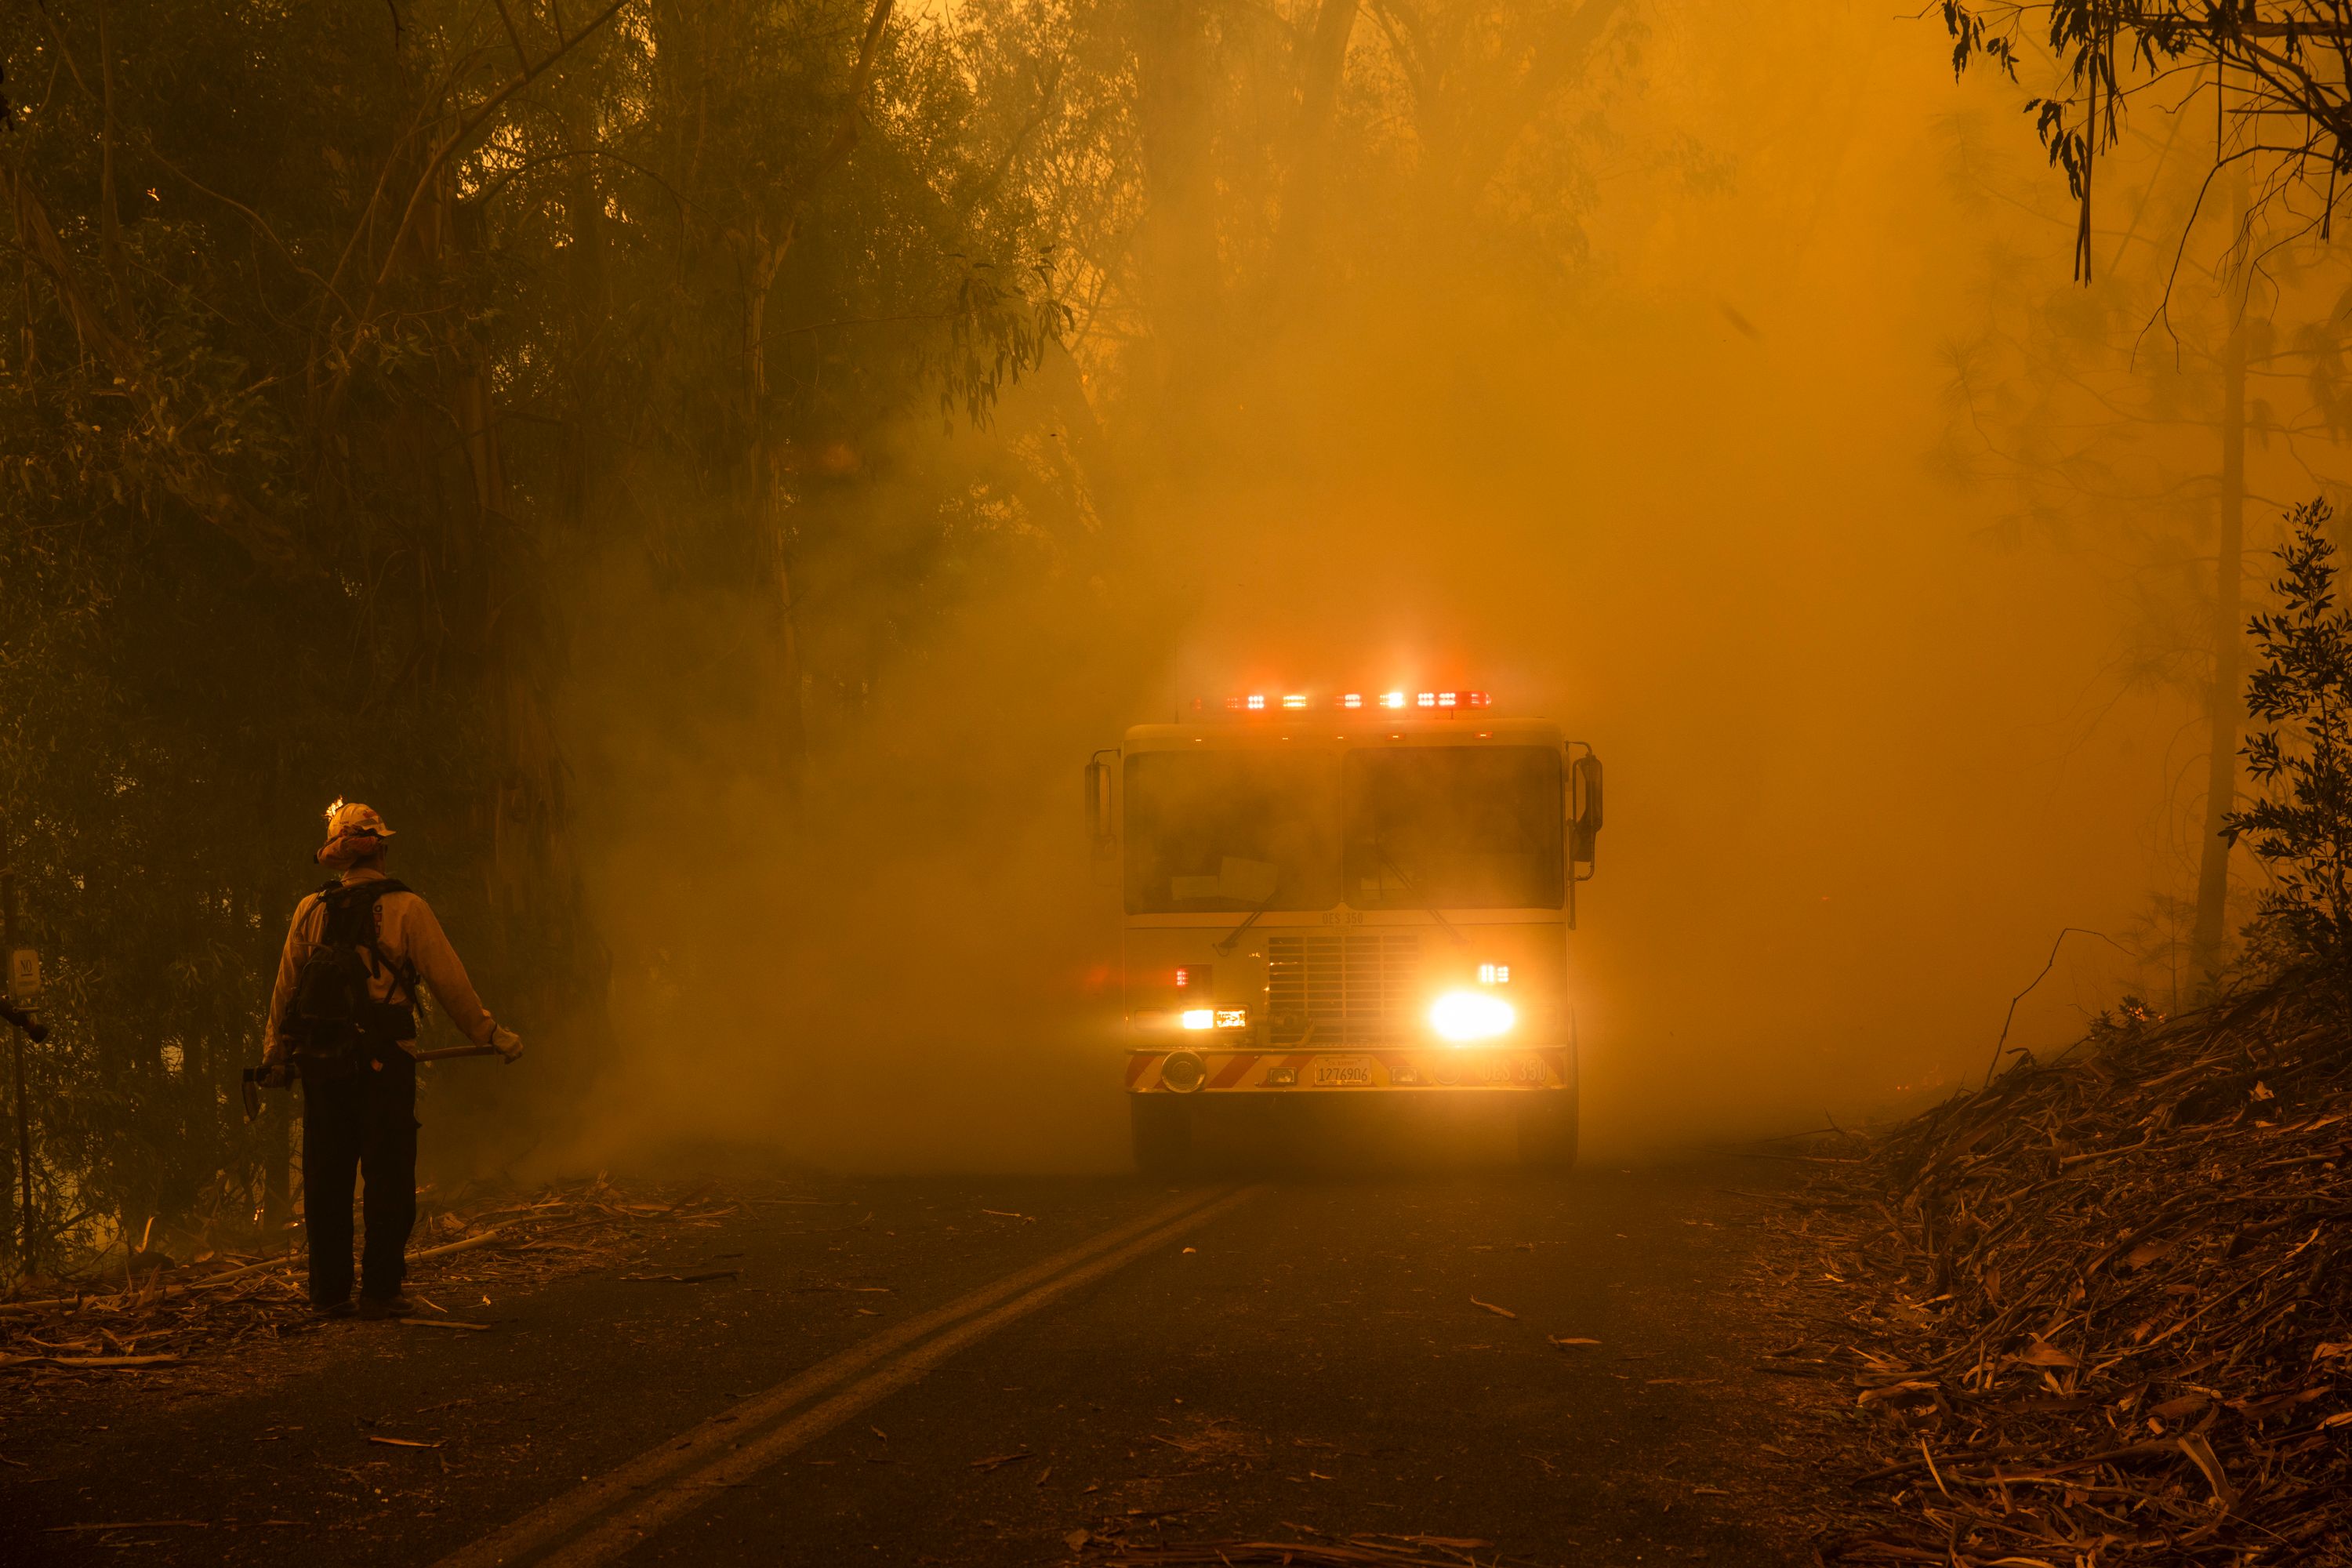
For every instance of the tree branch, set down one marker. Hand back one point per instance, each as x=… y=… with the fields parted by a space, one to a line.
x=189 y=474
x=471 y=126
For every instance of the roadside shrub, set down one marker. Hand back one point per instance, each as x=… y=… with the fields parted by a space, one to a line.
x=2300 y=830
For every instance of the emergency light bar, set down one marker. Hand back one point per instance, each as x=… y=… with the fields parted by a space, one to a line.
x=1440 y=702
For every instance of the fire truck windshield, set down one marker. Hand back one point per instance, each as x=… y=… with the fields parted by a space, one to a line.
x=1453 y=827
x=1232 y=831
x=1441 y=827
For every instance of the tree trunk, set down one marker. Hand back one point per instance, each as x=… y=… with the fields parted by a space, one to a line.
x=1181 y=273
x=2222 y=701
x=1323 y=63
x=110 y=214
x=545 y=959
x=768 y=499
x=29 y=347
x=8 y=1206
x=769 y=505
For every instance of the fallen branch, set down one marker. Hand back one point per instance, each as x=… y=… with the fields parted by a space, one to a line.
x=2102 y=1295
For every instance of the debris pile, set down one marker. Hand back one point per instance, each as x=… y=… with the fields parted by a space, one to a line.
x=189 y=1316
x=2101 y=1309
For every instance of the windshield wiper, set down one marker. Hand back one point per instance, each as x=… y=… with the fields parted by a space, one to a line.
x=1234 y=935
x=1422 y=904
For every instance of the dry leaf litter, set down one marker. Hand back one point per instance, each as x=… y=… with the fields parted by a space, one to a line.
x=2100 y=1311
x=1117 y=1544
x=197 y=1319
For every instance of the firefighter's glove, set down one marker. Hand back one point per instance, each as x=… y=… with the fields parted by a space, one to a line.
x=277 y=1074
x=505 y=1042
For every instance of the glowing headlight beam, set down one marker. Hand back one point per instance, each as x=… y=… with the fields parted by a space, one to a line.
x=1463 y=1016
x=1198 y=1018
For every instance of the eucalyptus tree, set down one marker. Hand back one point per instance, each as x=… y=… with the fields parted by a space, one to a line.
x=2143 y=405
x=342 y=341
x=2281 y=121
x=2281 y=104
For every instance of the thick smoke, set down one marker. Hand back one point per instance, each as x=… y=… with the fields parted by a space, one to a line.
x=1673 y=490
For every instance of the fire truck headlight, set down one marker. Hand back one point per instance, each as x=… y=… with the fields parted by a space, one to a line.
x=1198 y=1018
x=1465 y=1015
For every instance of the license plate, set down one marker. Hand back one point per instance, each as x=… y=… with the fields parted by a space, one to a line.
x=1341 y=1072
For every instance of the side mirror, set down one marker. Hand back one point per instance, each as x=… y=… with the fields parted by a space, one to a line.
x=1100 y=838
x=1584 y=826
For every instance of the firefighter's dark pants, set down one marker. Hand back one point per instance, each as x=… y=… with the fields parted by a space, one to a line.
x=359 y=1123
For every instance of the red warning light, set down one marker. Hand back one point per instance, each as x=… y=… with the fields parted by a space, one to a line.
x=1441 y=703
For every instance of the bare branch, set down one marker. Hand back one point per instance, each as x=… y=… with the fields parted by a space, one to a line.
x=471 y=126
x=523 y=56
x=2293 y=69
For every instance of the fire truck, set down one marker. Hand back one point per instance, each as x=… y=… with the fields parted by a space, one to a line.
x=1349 y=896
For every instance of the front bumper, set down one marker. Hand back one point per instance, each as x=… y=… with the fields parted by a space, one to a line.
x=1432 y=1068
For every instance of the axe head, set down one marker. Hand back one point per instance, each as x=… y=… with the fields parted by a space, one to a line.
x=248 y=1088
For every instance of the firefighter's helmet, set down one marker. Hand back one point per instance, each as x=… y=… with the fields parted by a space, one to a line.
x=351 y=819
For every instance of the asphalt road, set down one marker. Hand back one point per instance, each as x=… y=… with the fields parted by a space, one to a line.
x=940 y=1383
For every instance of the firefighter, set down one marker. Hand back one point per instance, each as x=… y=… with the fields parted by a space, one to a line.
x=342 y=1016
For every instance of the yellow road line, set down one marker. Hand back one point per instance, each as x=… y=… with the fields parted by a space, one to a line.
x=679 y=1473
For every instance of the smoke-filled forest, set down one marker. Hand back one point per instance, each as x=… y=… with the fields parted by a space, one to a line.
x=711 y=476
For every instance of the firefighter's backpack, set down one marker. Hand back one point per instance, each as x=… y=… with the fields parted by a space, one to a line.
x=333 y=1017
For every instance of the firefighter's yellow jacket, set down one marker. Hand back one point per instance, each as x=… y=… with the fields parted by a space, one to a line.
x=411 y=936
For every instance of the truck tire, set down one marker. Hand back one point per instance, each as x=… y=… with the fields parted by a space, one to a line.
x=1161 y=1125
x=1547 y=1126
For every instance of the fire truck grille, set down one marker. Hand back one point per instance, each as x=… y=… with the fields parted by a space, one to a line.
x=1349 y=990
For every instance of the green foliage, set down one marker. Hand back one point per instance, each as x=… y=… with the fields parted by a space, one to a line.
x=2301 y=830
x=338 y=345
x=2284 y=69
x=350 y=355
